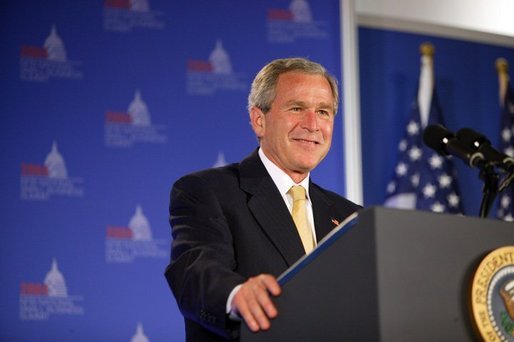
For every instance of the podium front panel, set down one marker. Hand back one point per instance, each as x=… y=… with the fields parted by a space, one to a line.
x=396 y=275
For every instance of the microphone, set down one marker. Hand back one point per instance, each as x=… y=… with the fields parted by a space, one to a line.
x=444 y=142
x=480 y=143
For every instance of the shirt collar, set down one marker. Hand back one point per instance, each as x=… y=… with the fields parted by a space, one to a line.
x=280 y=178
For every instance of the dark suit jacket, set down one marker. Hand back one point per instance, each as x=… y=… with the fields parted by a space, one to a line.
x=229 y=224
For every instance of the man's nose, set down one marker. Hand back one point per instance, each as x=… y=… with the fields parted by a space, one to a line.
x=310 y=120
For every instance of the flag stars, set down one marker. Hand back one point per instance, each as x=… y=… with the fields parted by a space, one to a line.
x=414 y=179
x=506 y=205
x=401 y=169
x=453 y=200
x=436 y=161
x=413 y=128
x=444 y=181
x=509 y=151
x=415 y=153
x=402 y=146
x=505 y=201
x=422 y=175
x=506 y=134
x=437 y=207
x=391 y=187
x=429 y=190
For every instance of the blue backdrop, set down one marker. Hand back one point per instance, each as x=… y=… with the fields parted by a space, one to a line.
x=104 y=105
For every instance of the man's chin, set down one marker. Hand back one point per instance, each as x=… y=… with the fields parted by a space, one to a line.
x=307 y=166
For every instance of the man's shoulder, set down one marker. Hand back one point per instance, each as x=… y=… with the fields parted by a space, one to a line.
x=326 y=192
x=335 y=197
x=213 y=176
x=225 y=175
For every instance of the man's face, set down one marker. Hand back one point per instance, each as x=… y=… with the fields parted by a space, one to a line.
x=297 y=131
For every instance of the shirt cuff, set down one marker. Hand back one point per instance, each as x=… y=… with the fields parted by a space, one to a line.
x=233 y=314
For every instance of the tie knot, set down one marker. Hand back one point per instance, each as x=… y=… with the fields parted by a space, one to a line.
x=298 y=192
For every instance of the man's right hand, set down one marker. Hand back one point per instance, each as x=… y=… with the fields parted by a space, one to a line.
x=253 y=303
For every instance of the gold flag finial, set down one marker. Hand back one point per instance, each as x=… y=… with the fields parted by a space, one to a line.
x=502 y=66
x=427 y=49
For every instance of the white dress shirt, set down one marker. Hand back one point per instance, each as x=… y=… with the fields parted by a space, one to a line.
x=283 y=183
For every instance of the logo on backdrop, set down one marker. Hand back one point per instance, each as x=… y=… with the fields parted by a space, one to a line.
x=139 y=336
x=44 y=181
x=287 y=25
x=40 y=63
x=206 y=77
x=124 y=129
x=39 y=301
x=126 y=15
x=127 y=243
x=492 y=295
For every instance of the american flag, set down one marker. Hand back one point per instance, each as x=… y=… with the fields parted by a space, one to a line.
x=506 y=206
x=422 y=178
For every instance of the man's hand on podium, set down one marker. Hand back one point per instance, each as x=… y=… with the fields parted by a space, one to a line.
x=253 y=303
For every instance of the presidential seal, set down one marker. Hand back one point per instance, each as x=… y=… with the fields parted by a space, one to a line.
x=492 y=295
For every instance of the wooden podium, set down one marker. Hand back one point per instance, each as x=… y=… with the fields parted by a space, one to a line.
x=387 y=275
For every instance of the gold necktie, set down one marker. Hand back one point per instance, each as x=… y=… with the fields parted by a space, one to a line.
x=300 y=217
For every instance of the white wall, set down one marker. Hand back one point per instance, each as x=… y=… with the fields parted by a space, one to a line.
x=481 y=20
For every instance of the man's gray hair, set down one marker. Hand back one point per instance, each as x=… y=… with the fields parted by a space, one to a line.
x=264 y=85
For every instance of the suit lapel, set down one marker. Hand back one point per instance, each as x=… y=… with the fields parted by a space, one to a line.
x=269 y=209
x=322 y=211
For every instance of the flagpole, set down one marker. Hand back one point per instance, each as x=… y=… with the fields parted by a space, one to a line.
x=426 y=81
x=502 y=67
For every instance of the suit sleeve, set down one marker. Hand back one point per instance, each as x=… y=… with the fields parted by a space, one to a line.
x=201 y=272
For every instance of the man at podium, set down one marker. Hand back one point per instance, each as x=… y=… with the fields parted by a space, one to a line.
x=236 y=228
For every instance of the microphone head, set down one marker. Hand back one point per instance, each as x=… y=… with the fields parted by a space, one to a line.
x=472 y=138
x=437 y=137
x=444 y=142
x=479 y=142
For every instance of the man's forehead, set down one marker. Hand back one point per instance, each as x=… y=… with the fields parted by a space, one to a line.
x=320 y=104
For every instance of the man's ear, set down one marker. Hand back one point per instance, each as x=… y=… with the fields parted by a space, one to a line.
x=258 y=121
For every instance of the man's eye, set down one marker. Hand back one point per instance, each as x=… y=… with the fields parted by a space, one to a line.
x=296 y=109
x=324 y=112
